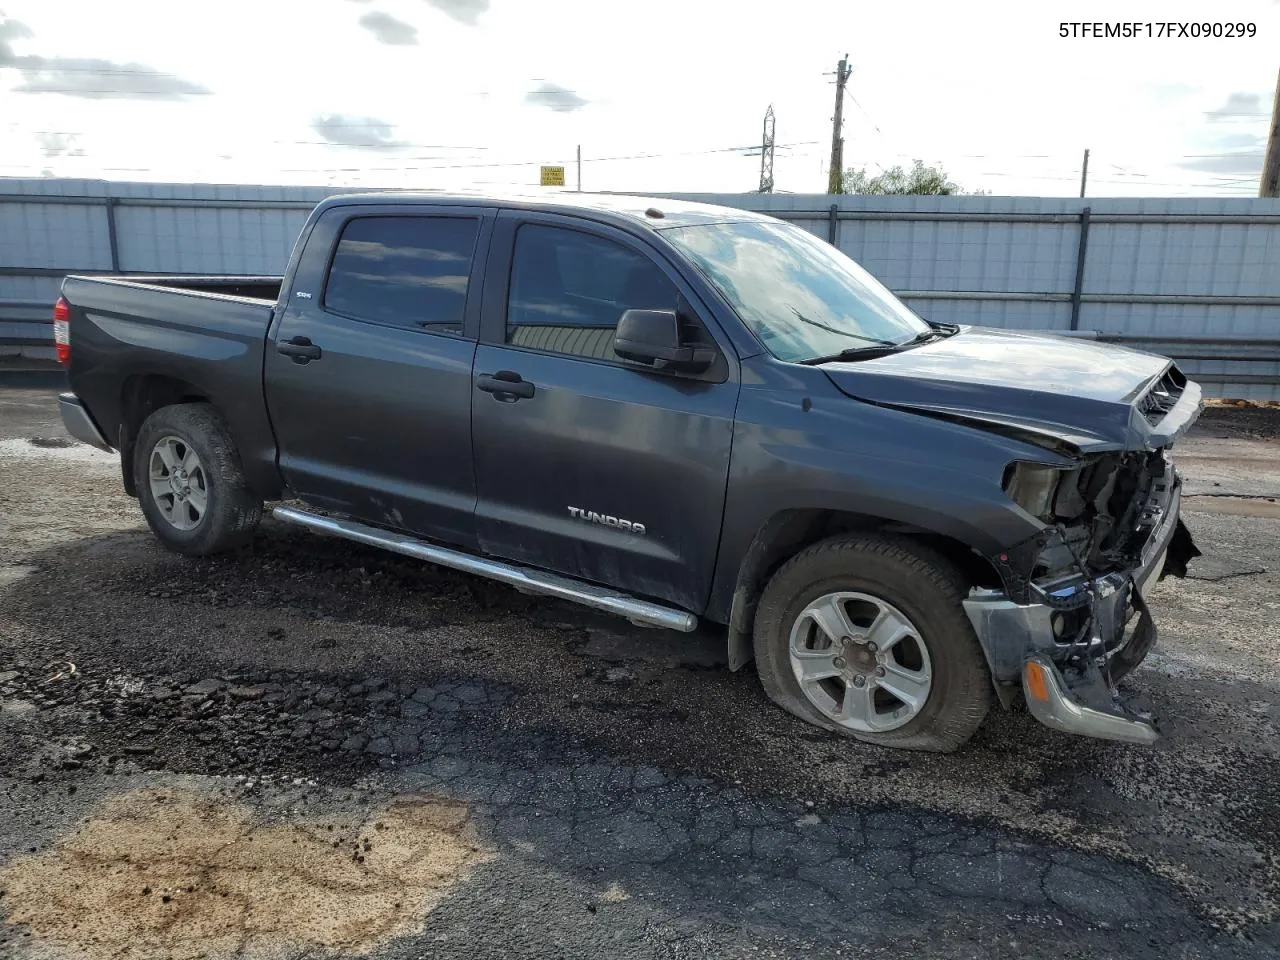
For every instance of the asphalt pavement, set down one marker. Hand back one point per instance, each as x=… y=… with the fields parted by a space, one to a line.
x=312 y=749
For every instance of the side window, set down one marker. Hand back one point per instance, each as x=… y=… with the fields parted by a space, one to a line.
x=405 y=271
x=568 y=290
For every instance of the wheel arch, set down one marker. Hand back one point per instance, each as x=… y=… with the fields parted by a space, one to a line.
x=789 y=531
x=141 y=395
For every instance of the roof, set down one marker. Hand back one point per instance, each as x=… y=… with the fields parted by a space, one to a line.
x=675 y=213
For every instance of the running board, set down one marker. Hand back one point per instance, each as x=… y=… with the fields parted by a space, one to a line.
x=524 y=579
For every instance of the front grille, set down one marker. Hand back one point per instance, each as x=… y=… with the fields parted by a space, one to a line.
x=1163 y=396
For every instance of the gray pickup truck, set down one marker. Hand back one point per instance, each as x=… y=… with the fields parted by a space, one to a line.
x=672 y=412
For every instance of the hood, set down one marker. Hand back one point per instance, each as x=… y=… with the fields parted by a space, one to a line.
x=1083 y=394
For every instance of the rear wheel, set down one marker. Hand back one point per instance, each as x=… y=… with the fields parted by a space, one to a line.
x=866 y=636
x=190 y=483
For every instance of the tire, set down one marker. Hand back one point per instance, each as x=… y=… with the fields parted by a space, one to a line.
x=230 y=510
x=866 y=577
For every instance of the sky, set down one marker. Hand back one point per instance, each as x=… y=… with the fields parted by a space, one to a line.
x=662 y=96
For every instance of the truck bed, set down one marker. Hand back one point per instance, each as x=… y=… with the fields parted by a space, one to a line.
x=199 y=334
x=251 y=288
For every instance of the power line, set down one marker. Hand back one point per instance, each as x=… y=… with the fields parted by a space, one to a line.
x=52 y=66
x=95 y=93
x=513 y=163
x=1221 y=183
x=535 y=163
x=1122 y=177
x=867 y=115
x=1205 y=156
x=384 y=144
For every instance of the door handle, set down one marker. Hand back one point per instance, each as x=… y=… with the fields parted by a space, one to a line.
x=505 y=385
x=300 y=348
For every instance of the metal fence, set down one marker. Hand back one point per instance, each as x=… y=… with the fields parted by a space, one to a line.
x=1197 y=279
x=51 y=228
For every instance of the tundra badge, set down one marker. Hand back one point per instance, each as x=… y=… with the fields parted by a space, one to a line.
x=607 y=521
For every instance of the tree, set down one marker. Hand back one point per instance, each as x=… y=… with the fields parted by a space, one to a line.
x=919 y=180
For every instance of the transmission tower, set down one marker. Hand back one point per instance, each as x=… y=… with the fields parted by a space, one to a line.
x=766 y=153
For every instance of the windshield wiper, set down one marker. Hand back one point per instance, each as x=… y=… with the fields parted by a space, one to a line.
x=923 y=337
x=882 y=348
x=876 y=347
x=856 y=353
x=844 y=333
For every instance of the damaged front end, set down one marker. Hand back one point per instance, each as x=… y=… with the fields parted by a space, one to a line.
x=1072 y=619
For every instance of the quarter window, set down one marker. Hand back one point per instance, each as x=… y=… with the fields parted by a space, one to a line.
x=404 y=271
x=568 y=290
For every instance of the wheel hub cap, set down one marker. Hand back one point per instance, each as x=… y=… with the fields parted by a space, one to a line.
x=860 y=658
x=860 y=661
x=178 y=483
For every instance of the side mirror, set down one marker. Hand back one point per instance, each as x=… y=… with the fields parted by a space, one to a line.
x=652 y=338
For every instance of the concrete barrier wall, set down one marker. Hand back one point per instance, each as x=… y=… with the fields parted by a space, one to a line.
x=1198 y=279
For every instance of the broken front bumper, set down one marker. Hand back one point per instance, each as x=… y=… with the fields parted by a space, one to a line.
x=1069 y=685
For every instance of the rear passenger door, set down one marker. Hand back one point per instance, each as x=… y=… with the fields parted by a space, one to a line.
x=588 y=466
x=369 y=380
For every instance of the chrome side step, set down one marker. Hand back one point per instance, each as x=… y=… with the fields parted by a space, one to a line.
x=524 y=579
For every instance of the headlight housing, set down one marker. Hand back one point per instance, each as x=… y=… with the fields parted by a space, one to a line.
x=1034 y=486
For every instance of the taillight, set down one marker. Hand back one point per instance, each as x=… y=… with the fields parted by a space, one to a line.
x=62 y=330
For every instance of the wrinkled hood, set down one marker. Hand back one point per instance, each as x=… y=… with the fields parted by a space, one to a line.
x=1082 y=393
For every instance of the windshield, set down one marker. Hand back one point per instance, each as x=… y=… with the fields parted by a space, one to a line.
x=801 y=297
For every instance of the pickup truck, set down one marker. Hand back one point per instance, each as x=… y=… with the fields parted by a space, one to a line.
x=676 y=413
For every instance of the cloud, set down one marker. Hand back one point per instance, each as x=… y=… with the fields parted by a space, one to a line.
x=1166 y=93
x=555 y=97
x=373 y=250
x=1244 y=164
x=1236 y=153
x=88 y=77
x=464 y=11
x=1237 y=104
x=60 y=145
x=11 y=30
x=1240 y=141
x=351 y=131
x=387 y=29
x=101 y=79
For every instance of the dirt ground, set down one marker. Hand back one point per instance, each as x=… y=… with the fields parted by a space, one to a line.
x=313 y=749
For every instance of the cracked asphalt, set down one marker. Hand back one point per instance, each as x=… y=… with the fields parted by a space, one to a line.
x=624 y=793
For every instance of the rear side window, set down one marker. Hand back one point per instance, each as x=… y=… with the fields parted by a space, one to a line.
x=405 y=271
x=568 y=290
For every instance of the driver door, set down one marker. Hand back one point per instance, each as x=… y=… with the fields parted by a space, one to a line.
x=594 y=468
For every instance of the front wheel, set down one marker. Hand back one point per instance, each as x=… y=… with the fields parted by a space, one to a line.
x=190 y=483
x=866 y=636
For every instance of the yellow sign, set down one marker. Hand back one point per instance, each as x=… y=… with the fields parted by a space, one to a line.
x=553 y=176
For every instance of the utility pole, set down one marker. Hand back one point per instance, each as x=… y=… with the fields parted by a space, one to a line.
x=579 y=168
x=1084 y=171
x=835 y=178
x=1270 y=185
x=766 y=153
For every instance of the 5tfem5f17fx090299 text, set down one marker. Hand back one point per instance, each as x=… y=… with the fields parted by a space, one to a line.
x=1171 y=29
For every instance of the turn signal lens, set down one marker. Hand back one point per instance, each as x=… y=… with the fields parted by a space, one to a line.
x=1035 y=682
